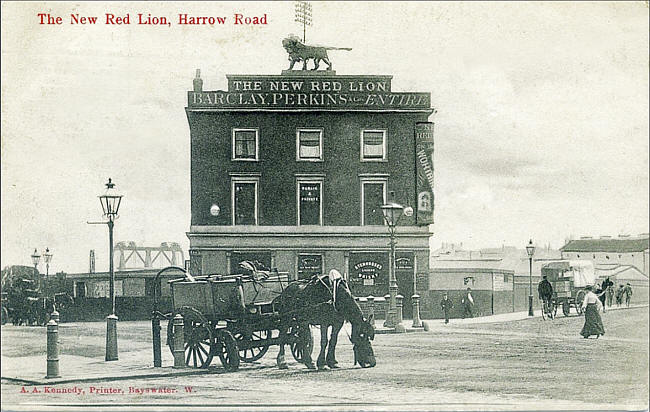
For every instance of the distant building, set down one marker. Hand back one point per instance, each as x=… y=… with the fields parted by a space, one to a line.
x=500 y=276
x=609 y=252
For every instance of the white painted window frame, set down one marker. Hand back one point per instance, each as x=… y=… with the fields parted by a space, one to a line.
x=257 y=144
x=363 y=182
x=320 y=147
x=384 y=146
x=310 y=180
x=243 y=179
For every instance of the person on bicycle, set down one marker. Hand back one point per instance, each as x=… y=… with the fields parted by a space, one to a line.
x=545 y=290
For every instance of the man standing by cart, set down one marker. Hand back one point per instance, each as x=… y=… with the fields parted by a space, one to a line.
x=545 y=291
x=628 y=294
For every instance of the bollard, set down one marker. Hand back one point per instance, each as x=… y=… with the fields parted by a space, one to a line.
x=399 y=301
x=52 y=350
x=111 y=338
x=417 y=322
x=371 y=310
x=155 y=330
x=179 y=342
x=55 y=316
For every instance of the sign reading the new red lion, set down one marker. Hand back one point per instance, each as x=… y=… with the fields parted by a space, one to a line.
x=424 y=159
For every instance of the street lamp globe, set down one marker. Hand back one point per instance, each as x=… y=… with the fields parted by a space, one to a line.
x=47 y=256
x=530 y=248
x=110 y=201
x=35 y=258
x=392 y=212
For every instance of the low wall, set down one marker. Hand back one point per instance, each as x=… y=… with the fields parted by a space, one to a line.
x=126 y=308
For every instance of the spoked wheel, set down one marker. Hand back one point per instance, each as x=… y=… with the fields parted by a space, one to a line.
x=226 y=348
x=579 y=298
x=199 y=339
x=302 y=342
x=255 y=342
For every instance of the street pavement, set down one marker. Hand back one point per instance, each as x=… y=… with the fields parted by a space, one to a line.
x=138 y=364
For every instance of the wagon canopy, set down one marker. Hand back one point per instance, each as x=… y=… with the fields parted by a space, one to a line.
x=581 y=271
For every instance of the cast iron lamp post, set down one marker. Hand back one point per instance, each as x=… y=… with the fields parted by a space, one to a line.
x=530 y=249
x=35 y=258
x=110 y=201
x=47 y=256
x=392 y=213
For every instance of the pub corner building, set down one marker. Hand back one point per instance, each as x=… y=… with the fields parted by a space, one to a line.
x=291 y=171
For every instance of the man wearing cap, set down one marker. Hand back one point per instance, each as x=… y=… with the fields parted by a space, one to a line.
x=446 y=305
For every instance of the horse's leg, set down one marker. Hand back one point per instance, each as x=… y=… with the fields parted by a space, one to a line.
x=323 y=346
x=331 y=351
x=282 y=363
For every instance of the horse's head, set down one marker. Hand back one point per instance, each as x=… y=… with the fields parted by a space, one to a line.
x=362 y=334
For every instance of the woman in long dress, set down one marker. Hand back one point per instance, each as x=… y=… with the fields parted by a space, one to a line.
x=591 y=305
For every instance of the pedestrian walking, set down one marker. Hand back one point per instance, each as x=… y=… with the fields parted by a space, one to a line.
x=628 y=294
x=607 y=285
x=619 y=295
x=446 y=305
x=593 y=322
x=610 y=296
x=468 y=304
x=600 y=292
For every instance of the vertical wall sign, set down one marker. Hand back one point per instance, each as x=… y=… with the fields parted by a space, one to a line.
x=424 y=167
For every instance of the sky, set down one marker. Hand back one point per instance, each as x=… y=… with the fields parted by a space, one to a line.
x=541 y=128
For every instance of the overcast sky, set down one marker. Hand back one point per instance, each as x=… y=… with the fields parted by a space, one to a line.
x=541 y=130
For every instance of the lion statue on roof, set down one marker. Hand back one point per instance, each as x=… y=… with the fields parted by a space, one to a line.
x=302 y=52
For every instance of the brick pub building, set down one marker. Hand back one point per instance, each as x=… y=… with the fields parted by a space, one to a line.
x=291 y=170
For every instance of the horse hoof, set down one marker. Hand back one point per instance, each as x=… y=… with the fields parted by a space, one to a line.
x=283 y=366
x=310 y=365
x=321 y=367
x=333 y=366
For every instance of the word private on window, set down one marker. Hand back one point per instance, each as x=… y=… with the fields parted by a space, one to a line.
x=309 y=145
x=245 y=144
x=373 y=145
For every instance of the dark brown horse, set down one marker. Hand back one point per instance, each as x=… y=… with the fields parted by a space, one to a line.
x=327 y=302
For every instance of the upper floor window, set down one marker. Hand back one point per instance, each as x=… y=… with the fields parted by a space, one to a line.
x=245 y=144
x=373 y=196
x=309 y=144
x=310 y=205
x=373 y=145
x=244 y=201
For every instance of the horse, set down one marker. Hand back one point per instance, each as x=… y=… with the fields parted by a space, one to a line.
x=325 y=301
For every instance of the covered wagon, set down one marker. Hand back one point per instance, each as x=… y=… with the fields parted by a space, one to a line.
x=569 y=278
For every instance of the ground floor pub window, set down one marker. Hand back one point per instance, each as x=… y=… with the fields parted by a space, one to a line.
x=373 y=197
x=244 y=202
x=369 y=273
x=309 y=203
x=262 y=261
x=309 y=265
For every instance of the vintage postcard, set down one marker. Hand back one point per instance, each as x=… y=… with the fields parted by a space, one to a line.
x=299 y=205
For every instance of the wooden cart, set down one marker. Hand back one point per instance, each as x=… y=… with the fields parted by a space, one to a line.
x=231 y=317
x=569 y=278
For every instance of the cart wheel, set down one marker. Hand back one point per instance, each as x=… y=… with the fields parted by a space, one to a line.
x=566 y=308
x=199 y=339
x=5 y=315
x=302 y=342
x=580 y=297
x=253 y=352
x=226 y=348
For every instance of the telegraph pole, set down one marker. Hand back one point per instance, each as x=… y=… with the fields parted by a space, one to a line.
x=303 y=15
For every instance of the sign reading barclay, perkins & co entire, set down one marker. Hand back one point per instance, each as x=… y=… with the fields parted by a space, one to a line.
x=298 y=92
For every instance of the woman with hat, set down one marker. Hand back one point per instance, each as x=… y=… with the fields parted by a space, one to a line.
x=593 y=323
